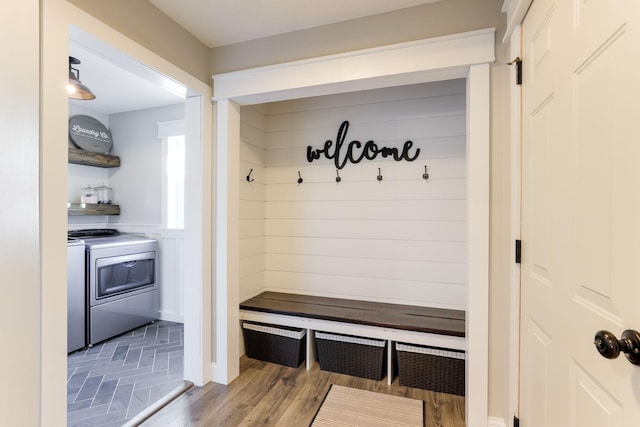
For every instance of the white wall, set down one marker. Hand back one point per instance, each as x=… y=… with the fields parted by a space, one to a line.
x=137 y=182
x=400 y=240
x=252 y=197
x=80 y=176
x=137 y=186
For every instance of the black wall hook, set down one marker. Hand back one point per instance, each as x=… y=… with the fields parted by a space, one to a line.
x=249 y=179
x=299 y=178
x=338 y=179
x=425 y=175
x=379 y=175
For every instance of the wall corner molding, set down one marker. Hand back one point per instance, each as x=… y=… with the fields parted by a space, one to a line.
x=440 y=58
x=515 y=10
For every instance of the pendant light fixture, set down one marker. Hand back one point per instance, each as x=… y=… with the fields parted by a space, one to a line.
x=75 y=88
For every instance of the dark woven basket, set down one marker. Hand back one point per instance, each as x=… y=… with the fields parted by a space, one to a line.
x=358 y=360
x=437 y=373
x=270 y=347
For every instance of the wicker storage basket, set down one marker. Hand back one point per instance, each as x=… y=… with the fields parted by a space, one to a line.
x=431 y=368
x=344 y=354
x=275 y=344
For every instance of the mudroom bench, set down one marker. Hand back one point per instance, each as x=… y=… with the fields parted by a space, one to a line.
x=426 y=326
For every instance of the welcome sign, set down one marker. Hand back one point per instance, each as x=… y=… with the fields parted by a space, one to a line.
x=355 y=151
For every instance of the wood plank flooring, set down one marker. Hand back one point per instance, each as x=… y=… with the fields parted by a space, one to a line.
x=267 y=394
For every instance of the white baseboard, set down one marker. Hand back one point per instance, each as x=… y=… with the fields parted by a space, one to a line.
x=218 y=377
x=171 y=316
x=496 y=422
x=212 y=372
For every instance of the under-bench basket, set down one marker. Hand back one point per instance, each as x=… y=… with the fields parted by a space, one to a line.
x=276 y=344
x=431 y=368
x=345 y=354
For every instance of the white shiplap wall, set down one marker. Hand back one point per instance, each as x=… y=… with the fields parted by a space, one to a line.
x=252 y=219
x=400 y=240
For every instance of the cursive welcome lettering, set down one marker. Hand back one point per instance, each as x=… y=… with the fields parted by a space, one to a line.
x=341 y=154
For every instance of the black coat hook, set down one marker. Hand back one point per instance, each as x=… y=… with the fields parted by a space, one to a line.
x=379 y=175
x=299 y=178
x=249 y=179
x=425 y=175
x=338 y=179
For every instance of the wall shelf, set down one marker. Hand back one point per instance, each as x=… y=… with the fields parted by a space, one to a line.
x=82 y=157
x=78 y=209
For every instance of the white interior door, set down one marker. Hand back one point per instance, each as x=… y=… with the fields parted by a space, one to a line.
x=580 y=211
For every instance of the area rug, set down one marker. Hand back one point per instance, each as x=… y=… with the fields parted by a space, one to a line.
x=345 y=406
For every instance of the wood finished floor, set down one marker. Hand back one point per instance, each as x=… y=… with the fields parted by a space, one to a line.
x=267 y=394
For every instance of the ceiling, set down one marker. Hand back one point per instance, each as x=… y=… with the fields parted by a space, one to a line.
x=223 y=22
x=117 y=90
x=215 y=23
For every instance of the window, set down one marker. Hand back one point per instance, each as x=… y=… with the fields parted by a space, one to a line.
x=173 y=169
x=175 y=182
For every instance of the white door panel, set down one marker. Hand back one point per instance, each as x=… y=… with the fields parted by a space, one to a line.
x=590 y=404
x=539 y=346
x=580 y=211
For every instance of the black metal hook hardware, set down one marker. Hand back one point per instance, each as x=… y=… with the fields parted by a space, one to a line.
x=249 y=179
x=379 y=175
x=299 y=178
x=425 y=175
x=518 y=63
x=338 y=179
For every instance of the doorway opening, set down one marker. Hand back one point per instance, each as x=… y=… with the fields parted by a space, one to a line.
x=133 y=100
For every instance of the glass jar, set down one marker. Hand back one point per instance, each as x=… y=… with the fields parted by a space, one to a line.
x=105 y=194
x=88 y=194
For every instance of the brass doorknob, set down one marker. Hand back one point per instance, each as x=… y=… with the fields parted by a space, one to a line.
x=610 y=347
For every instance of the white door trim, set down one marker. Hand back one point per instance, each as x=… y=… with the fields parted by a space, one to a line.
x=465 y=55
x=515 y=189
x=516 y=10
x=61 y=18
x=122 y=52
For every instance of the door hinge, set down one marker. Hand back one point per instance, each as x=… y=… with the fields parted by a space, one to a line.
x=516 y=422
x=518 y=63
x=518 y=251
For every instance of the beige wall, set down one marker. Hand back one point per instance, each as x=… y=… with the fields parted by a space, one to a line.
x=431 y=20
x=416 y=23
x=145 y=24
x=20 y=286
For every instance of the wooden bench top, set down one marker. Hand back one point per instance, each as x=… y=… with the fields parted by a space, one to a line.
x=396 y=316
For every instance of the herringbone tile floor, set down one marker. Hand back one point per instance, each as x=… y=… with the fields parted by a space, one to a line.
x=112 y=382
